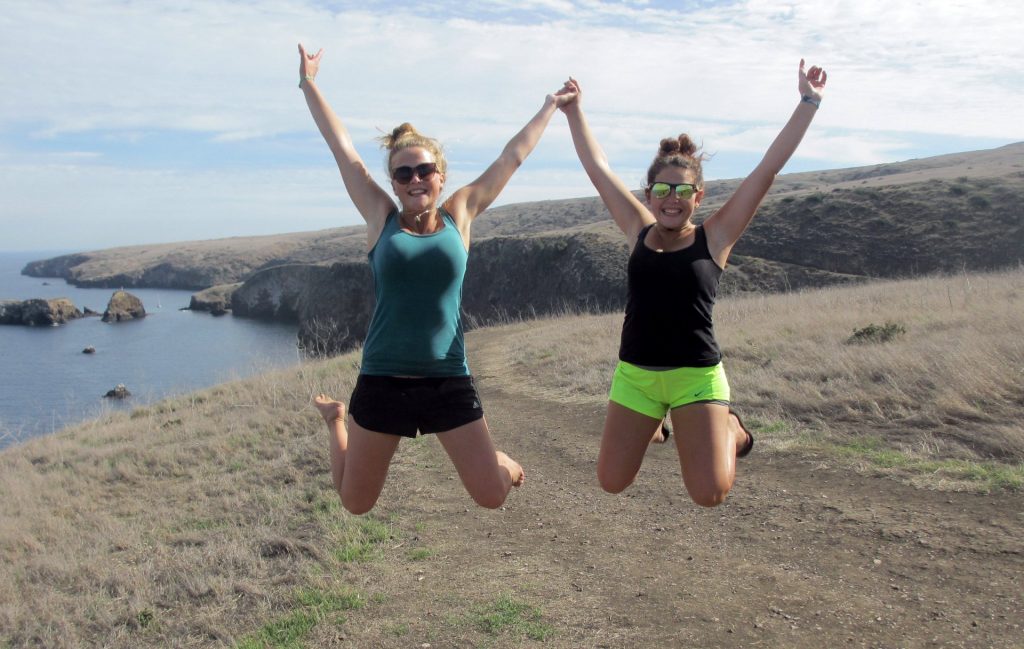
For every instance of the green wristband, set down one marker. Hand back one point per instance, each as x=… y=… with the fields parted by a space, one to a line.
x=308 y=77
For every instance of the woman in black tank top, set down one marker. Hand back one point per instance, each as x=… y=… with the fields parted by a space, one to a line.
x=673 y=279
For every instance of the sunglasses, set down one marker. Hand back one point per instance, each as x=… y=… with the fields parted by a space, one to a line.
x=683 y=190
x=403 y=175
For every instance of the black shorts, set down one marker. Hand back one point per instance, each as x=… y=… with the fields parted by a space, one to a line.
x=401 y=406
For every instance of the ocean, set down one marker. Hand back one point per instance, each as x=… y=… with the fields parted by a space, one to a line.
x=47 y=383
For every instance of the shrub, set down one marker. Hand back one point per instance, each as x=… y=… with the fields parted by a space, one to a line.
x=876 y=334
x=979 y=202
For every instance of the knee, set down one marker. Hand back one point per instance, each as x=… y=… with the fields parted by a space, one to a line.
x=356 y=505
x=489 y=498
x=612 y=482
x=709 y=497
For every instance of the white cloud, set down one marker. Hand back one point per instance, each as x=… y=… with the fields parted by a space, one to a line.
x=83 y=78
x=225 y=67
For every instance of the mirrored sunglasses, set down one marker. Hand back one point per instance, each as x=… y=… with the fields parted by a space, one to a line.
x=683 y=190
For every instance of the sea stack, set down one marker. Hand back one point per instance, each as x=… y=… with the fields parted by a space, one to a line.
x=123 y=306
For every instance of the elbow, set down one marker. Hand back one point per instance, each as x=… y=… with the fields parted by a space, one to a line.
x=515 y=158
x=766 y=172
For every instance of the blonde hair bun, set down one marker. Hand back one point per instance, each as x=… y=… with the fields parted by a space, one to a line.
x=405 y=136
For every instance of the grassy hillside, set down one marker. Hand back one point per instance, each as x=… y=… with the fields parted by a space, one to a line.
x=209 y=519
x=896 y=231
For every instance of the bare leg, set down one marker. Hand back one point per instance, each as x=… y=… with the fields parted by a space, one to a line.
x=333 y=413
x=366 y=466
x=707 y=438
x=365 y=454
x=487 y=474
x=627 y=434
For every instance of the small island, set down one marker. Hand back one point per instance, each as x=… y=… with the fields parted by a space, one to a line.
x=38 y=312
x=123 y=306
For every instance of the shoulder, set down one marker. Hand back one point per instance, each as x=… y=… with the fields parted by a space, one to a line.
x=642 y=231
x=445 y=213
x=455 y=210
x=374 y=231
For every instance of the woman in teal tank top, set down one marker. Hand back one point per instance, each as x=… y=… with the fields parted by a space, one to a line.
x=414 y=376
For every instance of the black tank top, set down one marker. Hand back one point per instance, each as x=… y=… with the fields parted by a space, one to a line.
x=668 y=313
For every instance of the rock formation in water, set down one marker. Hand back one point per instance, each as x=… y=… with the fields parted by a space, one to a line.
x=38 y=312
x=216 y=299
x=123 y=306
x=119 y=392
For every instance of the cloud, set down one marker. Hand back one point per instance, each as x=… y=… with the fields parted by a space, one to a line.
x=227 y=68
x=95 y=86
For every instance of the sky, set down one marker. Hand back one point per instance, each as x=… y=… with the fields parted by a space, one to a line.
x=149 y=121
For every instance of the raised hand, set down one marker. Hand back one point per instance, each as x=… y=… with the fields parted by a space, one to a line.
x=565 y=96
x=812 y=82
x=571 y=93
x=309 y=64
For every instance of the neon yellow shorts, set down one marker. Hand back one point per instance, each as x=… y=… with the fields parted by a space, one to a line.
x=653 y=393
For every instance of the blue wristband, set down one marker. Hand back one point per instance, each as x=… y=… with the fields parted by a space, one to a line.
x=807 y=99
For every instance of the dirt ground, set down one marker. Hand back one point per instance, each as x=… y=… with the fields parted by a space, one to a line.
x=800 y=555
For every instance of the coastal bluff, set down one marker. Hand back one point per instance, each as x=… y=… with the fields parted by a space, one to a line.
x=507 y=278
x=947 y=213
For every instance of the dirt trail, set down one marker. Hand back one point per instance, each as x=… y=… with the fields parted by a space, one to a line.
x=800 y=555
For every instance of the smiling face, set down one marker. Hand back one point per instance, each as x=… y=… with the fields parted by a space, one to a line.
x=419 y=194
x=672 y=212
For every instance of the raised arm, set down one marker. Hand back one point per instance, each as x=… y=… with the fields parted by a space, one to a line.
x=373 y=203
x=628 y=212
x=727 y=224
x=469 y=201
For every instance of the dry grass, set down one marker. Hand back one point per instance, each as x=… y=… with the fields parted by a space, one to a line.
x=209 y=519
x=181 y=523
x=949 y=389
x=952 y=386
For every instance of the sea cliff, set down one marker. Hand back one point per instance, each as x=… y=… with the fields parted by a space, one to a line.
x=943 y=214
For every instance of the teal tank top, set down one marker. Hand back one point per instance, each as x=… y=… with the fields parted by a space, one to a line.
x=416 y=328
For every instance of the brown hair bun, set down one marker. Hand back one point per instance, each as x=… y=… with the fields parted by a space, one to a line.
x=680 y=152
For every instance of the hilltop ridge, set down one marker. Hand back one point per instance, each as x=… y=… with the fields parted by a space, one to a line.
x=948 y=213
x=971 y=187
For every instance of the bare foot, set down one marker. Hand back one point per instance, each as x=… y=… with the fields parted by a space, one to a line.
x=513 y=468
x=333 y=413
x=662 y=434
x=744 y=440
x=330 y=409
